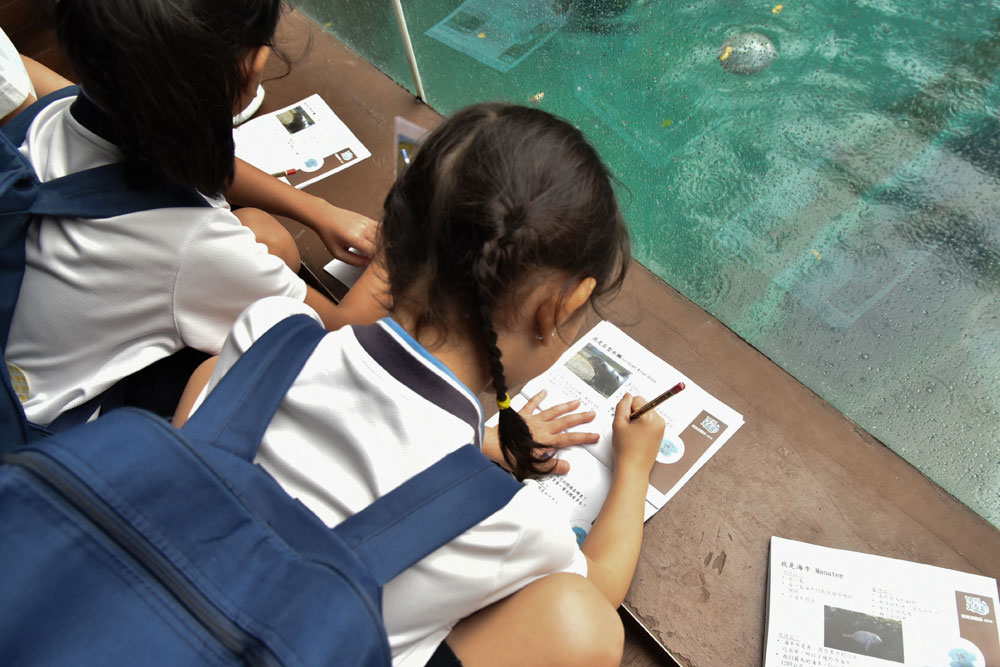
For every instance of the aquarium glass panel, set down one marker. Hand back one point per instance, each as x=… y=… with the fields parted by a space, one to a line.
x=823 y=177
x=368 y=27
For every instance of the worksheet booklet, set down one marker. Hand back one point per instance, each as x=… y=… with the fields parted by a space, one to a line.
x=306 y=136
x=839 y=608
x=598 y=370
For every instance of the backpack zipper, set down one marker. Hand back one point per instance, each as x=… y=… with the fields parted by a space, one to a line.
x=244 y=645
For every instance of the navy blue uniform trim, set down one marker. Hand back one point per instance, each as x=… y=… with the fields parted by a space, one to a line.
x=444 y=657
x=402 y=365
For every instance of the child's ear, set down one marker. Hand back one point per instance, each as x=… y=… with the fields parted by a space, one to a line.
x=254 y=67
x=577 y=298
x=560 y=306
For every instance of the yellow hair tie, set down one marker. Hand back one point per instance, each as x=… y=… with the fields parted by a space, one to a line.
x=505 y=403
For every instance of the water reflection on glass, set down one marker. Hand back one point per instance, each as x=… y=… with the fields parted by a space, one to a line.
x=838 y=207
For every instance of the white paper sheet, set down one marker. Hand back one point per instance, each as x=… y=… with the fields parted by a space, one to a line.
x=844 y=608
x=598 y=370
x=306 y=136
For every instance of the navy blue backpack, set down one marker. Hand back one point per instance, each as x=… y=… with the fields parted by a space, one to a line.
x=128 y=542
x=101 y=192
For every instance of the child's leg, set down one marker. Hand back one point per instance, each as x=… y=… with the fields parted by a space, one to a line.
x=363 y=303
x=199 y=379
x=271 y=233
x=561 y=619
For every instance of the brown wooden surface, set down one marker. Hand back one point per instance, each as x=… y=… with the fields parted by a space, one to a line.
x=798 y=468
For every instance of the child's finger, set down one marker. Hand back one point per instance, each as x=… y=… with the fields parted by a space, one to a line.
x=571 y=439
x=557 y=411
x=569 y=421
x=348 y=257
x=533 y=403
x=370 y=234
x=559 y=467
x=365 y=245
x=624 y=408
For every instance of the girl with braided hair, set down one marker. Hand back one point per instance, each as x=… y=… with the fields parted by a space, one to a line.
x=495 y=240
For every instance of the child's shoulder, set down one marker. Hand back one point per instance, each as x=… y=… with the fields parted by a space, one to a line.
x=263 y=314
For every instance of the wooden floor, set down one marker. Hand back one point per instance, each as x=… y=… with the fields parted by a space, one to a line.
x=798 y=469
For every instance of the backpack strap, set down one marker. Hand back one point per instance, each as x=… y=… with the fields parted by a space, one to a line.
x=237 y=411
x=68 y=419
x=427 y=511
x=16 y=129
x=101 y=192
x=395 y=531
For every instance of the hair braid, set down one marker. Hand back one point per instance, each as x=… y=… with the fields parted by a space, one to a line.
x=510 y=196
x=516 y=441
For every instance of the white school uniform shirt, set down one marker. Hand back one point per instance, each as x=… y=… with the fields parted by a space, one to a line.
x=102 y=299
x=370 y=409
x=15 y=85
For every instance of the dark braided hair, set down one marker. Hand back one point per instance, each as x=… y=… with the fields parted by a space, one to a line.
x=497 y=194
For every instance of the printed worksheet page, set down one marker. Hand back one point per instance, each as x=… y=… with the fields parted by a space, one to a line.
x=839 y=608
x=598 y=370
x=301 y=144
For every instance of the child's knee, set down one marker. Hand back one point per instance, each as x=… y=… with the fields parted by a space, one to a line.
x=272 y=234
x=582 y=627
x=561 y=620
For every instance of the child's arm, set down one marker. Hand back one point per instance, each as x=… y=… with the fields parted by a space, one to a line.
x=338 y=228
x=363 y=304
x=612 y=546
x=42 y=78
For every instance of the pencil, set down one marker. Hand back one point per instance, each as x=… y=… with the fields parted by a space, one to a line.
x=676 y=389
x=287 y=172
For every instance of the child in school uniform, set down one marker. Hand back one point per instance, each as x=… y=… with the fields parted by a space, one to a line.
x=104 y=299
x=494 y=242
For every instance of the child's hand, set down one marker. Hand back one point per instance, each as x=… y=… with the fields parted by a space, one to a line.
x=636 y=443
x=549 y=430
x=340 y=230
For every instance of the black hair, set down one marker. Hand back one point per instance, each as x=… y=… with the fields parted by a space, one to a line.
x=168 y=73
x=496 y=194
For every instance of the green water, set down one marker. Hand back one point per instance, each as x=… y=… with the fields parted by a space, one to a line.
x=839 y=210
